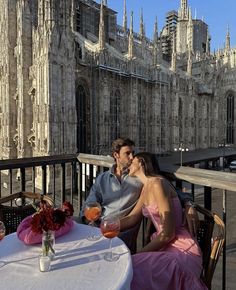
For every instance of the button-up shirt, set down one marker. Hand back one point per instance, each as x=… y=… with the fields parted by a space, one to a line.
x=115 y=196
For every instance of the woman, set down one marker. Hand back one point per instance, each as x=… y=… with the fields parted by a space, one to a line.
x=172 y=260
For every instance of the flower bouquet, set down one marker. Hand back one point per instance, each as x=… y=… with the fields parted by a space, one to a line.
x=46 y=222
x=48 y=218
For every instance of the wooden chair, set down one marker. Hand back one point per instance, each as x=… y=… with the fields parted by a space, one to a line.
x=12 y=214
x=210 y=236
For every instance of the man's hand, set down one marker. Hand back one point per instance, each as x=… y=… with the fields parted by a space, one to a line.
x=191 y=218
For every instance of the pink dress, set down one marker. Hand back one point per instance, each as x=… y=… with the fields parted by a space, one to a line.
x=177 y=266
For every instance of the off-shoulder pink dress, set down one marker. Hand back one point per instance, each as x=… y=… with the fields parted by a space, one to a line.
x=177 y=266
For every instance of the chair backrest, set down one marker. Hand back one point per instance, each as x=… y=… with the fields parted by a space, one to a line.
x=12 y=215
x=211 y=237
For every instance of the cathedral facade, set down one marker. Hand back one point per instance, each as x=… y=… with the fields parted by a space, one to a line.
x=72 y=80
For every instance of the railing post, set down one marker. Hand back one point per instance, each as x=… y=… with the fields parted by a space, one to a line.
x=44 y=179
x=207 y=197
x=33 y=179
x=79 y=183
x=193 y=191
x=178 y=184
x=63 y=182
x=73 y=180
x=10 y=177
x=224 y=246
x=22 y=178
x=90 y=176
x=0 y=183
x=54 y=182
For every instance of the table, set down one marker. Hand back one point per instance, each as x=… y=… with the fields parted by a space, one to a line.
x=78 y=264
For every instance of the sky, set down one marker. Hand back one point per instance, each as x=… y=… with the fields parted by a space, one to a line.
x=218 y=14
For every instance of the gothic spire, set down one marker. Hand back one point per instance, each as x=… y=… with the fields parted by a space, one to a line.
x=218 y=52
x=184 y=5
x=190 y=20
x=183 y=12
x=141 y=30
x=130 y=48
x=155 y=33
x=190 y=31
x=227 y=41
x=40 y=14
x=101 y=36
x=190 y=62
x=155 y=42
x=72 y=15
x=208 y=43
x=159 y=51
x=125 y=18
x=173 y=57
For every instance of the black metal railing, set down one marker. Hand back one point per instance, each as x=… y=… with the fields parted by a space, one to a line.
x=71 y=176
x=55 y=175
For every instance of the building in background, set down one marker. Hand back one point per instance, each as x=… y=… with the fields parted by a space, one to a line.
x=167 y=34
x=72 y=80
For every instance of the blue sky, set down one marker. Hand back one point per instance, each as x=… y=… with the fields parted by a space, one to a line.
x=218 y=14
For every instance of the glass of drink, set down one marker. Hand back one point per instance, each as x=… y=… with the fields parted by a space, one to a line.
x=92 y=212
x=110 y=228
x=2 y=230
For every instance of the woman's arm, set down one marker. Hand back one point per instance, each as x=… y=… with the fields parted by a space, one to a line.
x=161 y=197
x=134 y=217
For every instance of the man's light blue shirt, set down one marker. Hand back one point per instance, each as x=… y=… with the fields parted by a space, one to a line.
x=115 y=196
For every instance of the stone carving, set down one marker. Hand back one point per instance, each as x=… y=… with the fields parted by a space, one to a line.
x=31 y=138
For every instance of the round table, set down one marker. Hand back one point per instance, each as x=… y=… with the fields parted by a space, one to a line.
x=78 y=264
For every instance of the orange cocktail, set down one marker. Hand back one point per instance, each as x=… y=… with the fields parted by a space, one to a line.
x=111 y=231
x=92 y=213
x=110 y=228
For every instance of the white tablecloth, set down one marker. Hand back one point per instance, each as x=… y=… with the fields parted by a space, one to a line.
x=78 y=264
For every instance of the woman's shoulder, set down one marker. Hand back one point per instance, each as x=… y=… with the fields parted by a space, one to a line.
x=157 y=180
x=161 y=183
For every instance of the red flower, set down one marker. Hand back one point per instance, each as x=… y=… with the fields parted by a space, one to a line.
x=48 y=218
x=67 y=207
x=59 y=218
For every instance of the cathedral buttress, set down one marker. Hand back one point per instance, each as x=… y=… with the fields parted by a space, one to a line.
x=55 y=129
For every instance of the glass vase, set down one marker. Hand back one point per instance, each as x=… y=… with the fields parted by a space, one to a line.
x=44 y=263
x=48 y=243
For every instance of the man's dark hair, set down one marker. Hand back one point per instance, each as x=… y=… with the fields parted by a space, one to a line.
x=121 y=142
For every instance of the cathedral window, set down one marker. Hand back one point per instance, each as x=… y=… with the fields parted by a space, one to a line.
x=142 y=122
x=180 y=114
x=230 y=119
x=78 y=20
x=78 y=52
x=83 y=120
x=115 y=111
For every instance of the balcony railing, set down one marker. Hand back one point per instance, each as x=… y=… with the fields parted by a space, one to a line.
x=69 y=177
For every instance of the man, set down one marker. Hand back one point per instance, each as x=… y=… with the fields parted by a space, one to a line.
x=117 y=192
